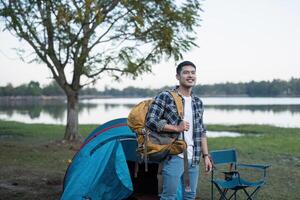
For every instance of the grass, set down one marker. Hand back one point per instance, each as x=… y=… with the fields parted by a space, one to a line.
x=33 y=158
x=266 y=145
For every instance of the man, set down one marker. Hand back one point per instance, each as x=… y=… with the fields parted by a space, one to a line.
x=163 y=118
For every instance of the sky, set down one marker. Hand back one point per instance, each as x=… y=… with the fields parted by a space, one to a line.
x=239 y=41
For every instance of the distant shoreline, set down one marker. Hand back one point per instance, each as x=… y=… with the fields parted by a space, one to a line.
x=62 y=98
x=54 y=100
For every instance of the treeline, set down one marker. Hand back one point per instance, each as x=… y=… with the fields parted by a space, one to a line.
x=32 y=89
x=274 y=88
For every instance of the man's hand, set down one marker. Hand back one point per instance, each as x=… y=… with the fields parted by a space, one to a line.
x=207 y=164
x=183 y=126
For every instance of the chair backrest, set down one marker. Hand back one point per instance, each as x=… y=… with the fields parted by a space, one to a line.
x=226 y=156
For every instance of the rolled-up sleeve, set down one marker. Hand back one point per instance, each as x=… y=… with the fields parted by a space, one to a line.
x=155 y=113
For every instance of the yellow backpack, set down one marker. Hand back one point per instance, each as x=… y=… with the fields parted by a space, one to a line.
x=150 y=146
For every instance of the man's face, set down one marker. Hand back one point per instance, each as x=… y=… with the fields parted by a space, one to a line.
x=187 y=76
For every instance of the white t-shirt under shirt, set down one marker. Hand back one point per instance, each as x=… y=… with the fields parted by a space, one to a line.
x=188 y=135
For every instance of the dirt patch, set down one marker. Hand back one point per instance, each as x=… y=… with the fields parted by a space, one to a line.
x=73 y=146
x=12 y=186
x=31 y=187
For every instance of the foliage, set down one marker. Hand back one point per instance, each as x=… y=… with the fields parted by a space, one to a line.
x=122 y=37
x=52 y=89
x=31 y=89
x=79 y=40
x=275 y=88
x=272 y=88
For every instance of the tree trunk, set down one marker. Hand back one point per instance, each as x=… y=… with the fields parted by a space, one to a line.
x=72 y=132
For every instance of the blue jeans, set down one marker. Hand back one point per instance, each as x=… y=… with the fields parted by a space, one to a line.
x=172 y=174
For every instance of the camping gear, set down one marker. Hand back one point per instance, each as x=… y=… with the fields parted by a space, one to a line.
x=103 y=168
x=99 y=169
x=153 y=146
x=233 y=179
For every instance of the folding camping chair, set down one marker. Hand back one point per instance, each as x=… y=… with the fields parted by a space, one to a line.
x=232 y=180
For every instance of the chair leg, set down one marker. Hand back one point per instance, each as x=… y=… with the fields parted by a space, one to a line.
x=212 y=191
x=222 y=193
x=225 y=192
x=248 y=195
x=233 y=195
x=252 y=194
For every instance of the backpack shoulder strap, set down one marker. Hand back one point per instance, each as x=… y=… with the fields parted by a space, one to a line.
x=178 y=102
x=186 y=178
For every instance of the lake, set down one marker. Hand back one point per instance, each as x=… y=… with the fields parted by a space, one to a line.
x=283 y=112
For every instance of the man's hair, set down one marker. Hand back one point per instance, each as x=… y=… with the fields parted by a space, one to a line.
x=182 y=64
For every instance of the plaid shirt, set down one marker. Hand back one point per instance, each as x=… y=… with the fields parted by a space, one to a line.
x=163 y=111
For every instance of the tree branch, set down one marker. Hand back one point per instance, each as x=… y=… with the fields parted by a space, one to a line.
x=107 y=31
x=25 y=21
x=105 y=69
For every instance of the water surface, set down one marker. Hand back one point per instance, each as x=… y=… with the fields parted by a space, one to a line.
x=283 y=112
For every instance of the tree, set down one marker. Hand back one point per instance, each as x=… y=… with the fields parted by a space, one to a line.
x=294 y=86
x=52 y=89
x=34 y=88
x=81 y=40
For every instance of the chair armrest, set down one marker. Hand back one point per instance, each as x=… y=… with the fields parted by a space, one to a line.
x=261 y=167
x=230 y=172
x=228 y=175
x=255 y=166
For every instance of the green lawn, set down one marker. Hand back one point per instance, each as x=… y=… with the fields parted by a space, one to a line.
x=33 y=158
x=266 y=145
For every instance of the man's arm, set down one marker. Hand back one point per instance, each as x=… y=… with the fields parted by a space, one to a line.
x=204 y=148
x=154 y=119
x=183 y=126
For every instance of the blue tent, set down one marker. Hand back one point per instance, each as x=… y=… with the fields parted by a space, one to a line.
x=100 y=169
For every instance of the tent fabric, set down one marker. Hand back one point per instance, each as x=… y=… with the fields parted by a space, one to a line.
x=99 y=170
x=107 y=125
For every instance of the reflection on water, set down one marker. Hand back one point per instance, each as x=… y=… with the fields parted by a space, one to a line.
x=268 y=108
x=275 y=111
x=40 y=113
x=273 y=108
x=34 y=111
